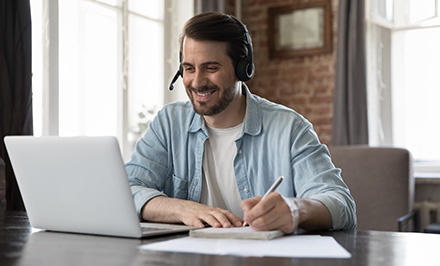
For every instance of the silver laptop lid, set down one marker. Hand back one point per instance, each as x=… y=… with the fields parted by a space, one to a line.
x=74 y=184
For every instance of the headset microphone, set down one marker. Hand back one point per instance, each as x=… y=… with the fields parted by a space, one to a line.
x=174 y=80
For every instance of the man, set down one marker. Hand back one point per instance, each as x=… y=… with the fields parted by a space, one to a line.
x=208 y=161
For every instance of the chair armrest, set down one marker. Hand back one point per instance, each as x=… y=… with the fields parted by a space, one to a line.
x=405 y=218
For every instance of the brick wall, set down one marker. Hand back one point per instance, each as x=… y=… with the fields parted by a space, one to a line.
x=304 y=83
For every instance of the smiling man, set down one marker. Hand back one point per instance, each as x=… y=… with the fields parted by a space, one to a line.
x=209 y=160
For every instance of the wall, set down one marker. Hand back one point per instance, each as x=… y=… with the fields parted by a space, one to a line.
x=304 y=83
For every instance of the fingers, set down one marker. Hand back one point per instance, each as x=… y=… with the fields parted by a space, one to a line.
x=234 y=220
x=215 y=218
x=270 y=214
x=221 y=218
x=277 y=218
x=254 y=208
x=196 y=214
x=248 y=204
x=195 y=223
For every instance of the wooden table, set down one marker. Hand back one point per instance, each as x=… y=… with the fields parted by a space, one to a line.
x=21 y=245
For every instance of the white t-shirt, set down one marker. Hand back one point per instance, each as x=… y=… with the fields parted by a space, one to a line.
x=219 y=187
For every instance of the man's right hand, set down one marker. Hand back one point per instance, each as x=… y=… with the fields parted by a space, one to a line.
x=171 y=210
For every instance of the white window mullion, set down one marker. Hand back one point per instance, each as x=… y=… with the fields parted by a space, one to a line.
x=50 y=80
x=123 y=110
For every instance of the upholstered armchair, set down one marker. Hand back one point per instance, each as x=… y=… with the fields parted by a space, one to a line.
x=382 y=184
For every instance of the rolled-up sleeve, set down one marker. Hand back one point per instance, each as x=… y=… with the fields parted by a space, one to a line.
x=317 y=178
x=147 y=169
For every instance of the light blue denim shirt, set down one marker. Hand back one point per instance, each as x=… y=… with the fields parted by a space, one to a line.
x=275 y=141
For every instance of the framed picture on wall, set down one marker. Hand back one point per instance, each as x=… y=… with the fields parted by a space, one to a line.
x=300 y=29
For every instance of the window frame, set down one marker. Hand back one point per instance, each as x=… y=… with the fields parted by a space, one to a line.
x=175 y=14
x=381 y=76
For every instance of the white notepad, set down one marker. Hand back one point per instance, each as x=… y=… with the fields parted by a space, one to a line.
x=235 y=233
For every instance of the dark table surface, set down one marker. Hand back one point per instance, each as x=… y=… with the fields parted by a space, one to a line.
x=20 y=244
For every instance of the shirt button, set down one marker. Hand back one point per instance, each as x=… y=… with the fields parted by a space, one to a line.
x=246 y=190
x=240 y=152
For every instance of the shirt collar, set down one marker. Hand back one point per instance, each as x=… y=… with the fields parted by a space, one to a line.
x=252 y=124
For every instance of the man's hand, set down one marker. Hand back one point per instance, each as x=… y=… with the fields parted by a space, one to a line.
x=272 y=213
x=163 y=209
x=276 y=212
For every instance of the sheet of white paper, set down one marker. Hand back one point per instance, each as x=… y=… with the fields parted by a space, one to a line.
x=299 y=246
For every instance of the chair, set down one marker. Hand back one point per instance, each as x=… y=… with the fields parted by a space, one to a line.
x=381 y=182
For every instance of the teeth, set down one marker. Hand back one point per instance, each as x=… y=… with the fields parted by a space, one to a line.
x=203 y=94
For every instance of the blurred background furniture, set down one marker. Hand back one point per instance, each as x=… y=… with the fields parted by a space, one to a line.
x=381 y=181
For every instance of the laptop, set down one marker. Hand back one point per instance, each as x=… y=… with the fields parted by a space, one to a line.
x=78 y=185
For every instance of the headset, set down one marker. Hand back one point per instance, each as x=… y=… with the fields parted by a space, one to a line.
x=245 y=68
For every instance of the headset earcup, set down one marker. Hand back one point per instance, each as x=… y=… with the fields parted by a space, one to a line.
x=244 y=70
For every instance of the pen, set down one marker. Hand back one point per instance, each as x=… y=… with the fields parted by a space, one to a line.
x=271 y=189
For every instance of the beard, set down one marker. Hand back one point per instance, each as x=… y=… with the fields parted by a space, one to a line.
x=202 y=108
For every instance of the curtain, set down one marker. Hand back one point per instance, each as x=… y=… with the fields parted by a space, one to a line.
x=350 y=120
x=15 y=84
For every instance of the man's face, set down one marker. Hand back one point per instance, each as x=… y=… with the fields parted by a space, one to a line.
x=208 y=76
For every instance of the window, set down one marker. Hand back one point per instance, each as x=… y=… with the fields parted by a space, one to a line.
x=101 y=67
x=404 y=84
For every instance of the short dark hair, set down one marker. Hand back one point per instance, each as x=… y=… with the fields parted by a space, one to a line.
x=215 y=26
